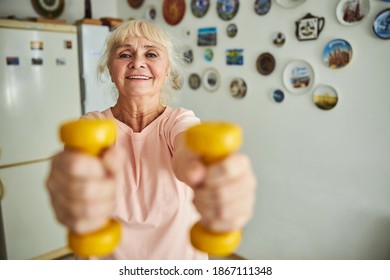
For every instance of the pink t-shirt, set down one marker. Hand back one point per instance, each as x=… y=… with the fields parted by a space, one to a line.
x=154 y=207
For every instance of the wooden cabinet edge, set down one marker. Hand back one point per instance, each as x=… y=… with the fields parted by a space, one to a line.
x=54 y=255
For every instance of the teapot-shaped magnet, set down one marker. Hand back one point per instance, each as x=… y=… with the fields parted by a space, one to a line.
x=309 y=27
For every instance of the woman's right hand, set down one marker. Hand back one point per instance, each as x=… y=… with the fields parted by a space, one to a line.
x=82 y=188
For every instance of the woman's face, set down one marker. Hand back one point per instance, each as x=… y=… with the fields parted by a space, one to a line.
x=139 y=67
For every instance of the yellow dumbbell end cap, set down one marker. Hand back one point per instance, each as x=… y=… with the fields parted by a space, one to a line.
x=96 y=244
x=89 y=136
x=213 y=140
x=215 y=244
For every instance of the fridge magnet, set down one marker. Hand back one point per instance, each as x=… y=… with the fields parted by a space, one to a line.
x=36 y=45
x=289 y=4
x=235 y=56
x=49 y=9
x=309 y=27
x=277 y=96
x=298 y=76
x=12 y=60
x=337 y=53
x=188 y=55
x=37 y=61
x=227 y=9
x=262 y=7
x=238 y=88
x=151 y=13
x=231 y=30
x=325 y=97
x=60 y=61
x=200 y=8
x=208 y=54
x=265 y=63
x=173 y=11
x=135 y=4
x=351 y=12
x=68 y=44
x=194 y=81
x=381 y=25
x=278 y=39
x=207 y=36
x=211 y=79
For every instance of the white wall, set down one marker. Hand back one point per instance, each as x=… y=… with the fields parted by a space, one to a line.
x=323 y=176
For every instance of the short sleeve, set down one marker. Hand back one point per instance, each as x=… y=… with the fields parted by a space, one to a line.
x=179 y=121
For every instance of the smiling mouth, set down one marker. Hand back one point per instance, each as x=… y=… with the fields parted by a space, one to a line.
x=138 y=77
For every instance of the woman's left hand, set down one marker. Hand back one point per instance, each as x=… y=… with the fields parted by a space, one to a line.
x=224 y=191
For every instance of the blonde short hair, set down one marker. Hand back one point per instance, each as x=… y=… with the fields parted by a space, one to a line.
x=154 y=33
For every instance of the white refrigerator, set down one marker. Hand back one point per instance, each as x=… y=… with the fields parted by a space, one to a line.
x=39 y=89
x=97 y=93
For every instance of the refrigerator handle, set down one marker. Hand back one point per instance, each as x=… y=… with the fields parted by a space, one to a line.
x=2 y=190
x=82 y=92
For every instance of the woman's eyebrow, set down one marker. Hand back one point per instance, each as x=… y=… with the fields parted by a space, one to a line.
x=123 y=46
x=130 y=46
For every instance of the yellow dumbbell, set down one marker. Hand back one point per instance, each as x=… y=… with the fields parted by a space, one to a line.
x=92 y=137
x=213 y=141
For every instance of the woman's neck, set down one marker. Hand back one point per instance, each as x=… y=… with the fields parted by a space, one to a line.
x=137 y=115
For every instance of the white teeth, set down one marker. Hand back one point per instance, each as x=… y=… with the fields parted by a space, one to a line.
x=139 y=77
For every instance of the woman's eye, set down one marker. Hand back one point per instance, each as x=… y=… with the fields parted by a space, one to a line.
x=124 y=55
x=151 y=55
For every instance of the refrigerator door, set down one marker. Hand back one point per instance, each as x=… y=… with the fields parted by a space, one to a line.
x=29 y=223
x=39 y=88
x=98 y=94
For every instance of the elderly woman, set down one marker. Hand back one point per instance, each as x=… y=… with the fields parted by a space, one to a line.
x=149 y=180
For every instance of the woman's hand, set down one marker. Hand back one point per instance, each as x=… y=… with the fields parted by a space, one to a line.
x=82 y=188
x=224 y=191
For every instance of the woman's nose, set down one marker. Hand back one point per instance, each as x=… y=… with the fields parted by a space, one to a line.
x=137 y=62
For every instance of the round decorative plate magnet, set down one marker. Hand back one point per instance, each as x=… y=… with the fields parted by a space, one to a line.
x=194 y=81
x=135 y=4
x=238 y=88
x=325 y=97
x=231 y=30
x=227 y=9
x=351 y=12
x=151 y=13
x=265 y=63
x=381 y=25
x=337 y=53
x=199 y=8
x=49 y=8
x=173 y=11
x=262 y=7
x=298 y=76
x=277 y=96
x=211 y=79
x=279 y=39
x=208 y=54
x=188 y=55
x=289 y=4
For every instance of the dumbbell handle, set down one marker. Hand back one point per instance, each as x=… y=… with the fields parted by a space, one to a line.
x=214 y=141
